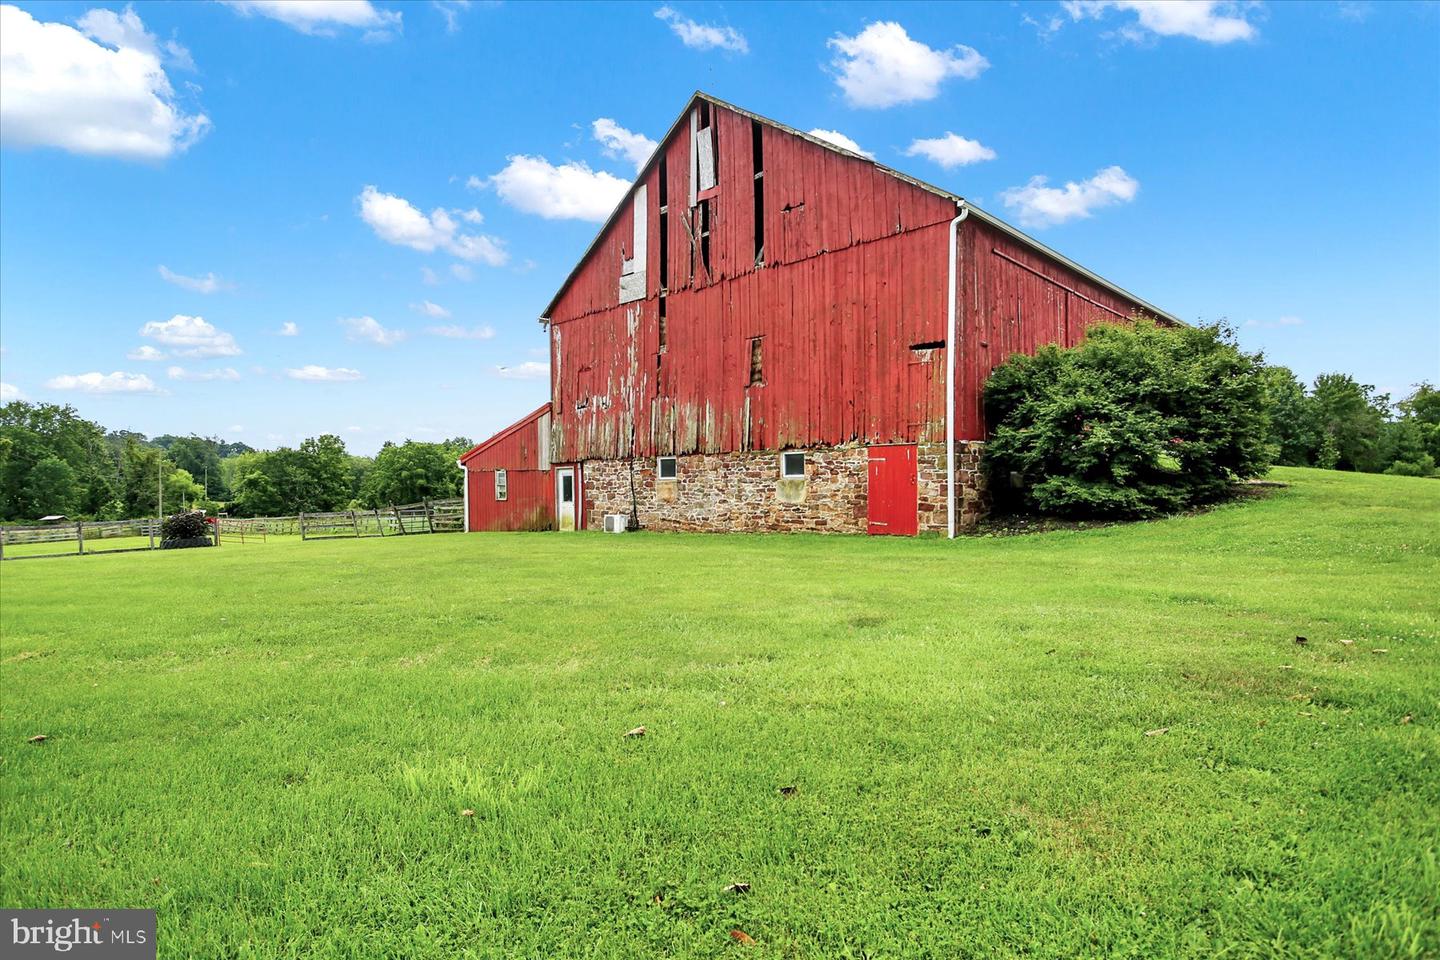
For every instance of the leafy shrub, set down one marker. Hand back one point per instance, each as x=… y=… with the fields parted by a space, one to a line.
x=185 y=526
x=1422 y=466
x=1136 y=421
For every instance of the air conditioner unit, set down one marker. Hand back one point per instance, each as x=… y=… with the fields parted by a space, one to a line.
x=616 y=522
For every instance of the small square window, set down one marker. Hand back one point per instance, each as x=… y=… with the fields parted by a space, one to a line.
x=666 y=468
x=502 y=485
x=792 y=464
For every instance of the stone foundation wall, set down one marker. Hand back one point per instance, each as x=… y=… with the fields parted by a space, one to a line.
x=744 y=492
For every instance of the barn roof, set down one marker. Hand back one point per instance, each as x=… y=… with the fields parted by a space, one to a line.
x=484 y=445
x=975 y=211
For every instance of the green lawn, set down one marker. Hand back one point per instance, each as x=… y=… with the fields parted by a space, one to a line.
x=274 y=744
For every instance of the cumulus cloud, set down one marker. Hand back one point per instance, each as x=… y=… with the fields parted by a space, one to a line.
x=180 y=373
x=323 y=18
x=703 y=36
x=395 y=220
x=1285 y=321
x=369 y=330
x=9 y=392
x=619 y=142
x=840 y=140
x=100 y=89
x=1213 y=21
x=529 y=370
x=288 y=329
x=1039 y=205
x=950 y=151
x=209 y=283
x=314 y=373
x=147 y=353
x=191 y=337
x=571 y=191
x=882 y=66
x=430 y=309
x=455 y=332
x=116 y=382
x=451 y=10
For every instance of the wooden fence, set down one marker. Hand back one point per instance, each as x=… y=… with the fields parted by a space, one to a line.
x=427 y=516
x=83 y=538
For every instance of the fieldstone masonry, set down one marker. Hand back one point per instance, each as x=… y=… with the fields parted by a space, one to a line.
x=744 y=492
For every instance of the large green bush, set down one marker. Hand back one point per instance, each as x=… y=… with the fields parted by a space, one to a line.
x=1136 y=421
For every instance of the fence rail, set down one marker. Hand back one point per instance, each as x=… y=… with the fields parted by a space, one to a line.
x=79 y=539
x=427 y=516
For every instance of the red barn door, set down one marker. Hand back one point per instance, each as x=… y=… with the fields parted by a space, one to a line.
x=892 y=491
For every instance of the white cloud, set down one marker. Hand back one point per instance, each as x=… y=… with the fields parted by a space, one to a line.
x=321 y=18
x=116 y=382
x=882 y=67
x=471 y=216
x=1038 y=205
x=619 y=142
x=9 y=392
x=206 y=284
x=1285 y=321
x=147 y=353
x=1213 y=21
x=317 y=374
x=529 y=370
x=104 y=94
x=395 y=220
x=840 y=140
x=124 y=30
x=180 y=373
x=451 y=10
x=703 y=36
x=191 y=337
x=462 y=333
x=571 y=191
x=369 y=330
x=430 y=309
x=289 y=329
x=951 y=150
x=461 y=272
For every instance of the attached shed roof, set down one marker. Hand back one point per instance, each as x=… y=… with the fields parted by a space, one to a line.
x=975 y=211
x=484 y=445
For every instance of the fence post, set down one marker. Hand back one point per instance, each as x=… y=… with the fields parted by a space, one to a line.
x=217 y=531
x=399 y=520
x=2 y=543
x=355 y=524
x=302 y=524
x=429 y=515
x=378 y=525
x=80 y=535
x=151 y=526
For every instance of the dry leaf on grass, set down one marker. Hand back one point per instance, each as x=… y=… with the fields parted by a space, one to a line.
x=637 y=732
x=788 y=790
x=1157 y=731
x=741 y=887
x=1347 y=643
x=1380 y=650
x=740 y=936
x=1407 y=719
x=467 y=813
x=39 y=738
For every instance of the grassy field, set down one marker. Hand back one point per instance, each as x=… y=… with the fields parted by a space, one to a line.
x=1099 y=742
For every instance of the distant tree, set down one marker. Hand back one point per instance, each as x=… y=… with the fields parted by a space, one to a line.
x=201 y=457
x=140 y=471
x=326 y=467
x=50 y=487
x=1351 y=413
x=1423 y=407
x=410 y=472
x=34 y=432
x=1293 y=431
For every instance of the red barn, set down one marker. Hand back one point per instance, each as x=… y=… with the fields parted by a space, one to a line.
x=773 y=333
x=507 y=478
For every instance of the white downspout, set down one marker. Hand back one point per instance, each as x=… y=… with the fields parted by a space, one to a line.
x=465 y=492
x=950 y=348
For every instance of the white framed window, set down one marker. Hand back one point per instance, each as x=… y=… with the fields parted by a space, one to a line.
x=792 y=464
x=502 y=485
x=666 y=468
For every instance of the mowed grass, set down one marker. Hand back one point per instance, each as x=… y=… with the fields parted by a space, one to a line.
x=273 y=744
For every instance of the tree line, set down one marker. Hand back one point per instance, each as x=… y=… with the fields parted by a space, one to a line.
x=53 y=461
x=1342 y=424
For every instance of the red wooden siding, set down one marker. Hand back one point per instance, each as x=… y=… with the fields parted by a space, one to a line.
x=528 y=505
x=1014 y=299
x=520 y=446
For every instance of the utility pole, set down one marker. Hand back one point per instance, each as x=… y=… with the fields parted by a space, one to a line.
x=160 y=486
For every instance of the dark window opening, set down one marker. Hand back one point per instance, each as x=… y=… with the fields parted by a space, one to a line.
x=663 y=331
x=705 y=236
x=664 y=227
x=704 y=114
x=758 y=159
x=792 y=464
x=664 y=184
x=757 y=366
x=928 y=345
x=666 y=468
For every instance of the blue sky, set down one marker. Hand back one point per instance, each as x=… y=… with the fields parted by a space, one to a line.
x=400 y=188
